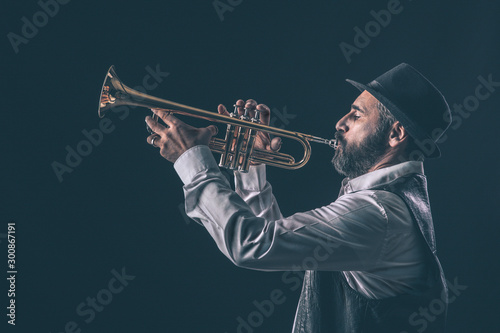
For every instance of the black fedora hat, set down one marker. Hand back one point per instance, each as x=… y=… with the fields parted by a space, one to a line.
x=415 y=102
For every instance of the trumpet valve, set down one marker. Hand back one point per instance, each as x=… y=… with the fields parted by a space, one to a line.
x=256 y=118
x=235 y=111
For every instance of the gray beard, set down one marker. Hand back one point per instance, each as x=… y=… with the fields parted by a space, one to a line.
x=355 y=160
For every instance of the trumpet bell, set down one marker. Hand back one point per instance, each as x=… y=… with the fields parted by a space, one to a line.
x=113 y=93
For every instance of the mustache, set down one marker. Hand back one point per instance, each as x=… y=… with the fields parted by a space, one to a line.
x=339 y=137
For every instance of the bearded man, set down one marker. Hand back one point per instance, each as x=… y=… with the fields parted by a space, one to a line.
x=376 y=268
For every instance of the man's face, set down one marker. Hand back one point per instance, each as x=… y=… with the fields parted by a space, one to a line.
x=361 y=142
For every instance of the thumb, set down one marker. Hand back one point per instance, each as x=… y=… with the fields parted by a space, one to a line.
x=211 y=130
x=275 y=144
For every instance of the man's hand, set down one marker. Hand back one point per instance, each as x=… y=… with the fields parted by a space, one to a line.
x=176 y=137
x=262 y=140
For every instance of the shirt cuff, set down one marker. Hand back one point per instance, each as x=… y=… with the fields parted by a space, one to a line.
x=193 y=161
x=253 y=180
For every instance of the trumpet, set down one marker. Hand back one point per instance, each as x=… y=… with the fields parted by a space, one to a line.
x=236 y=149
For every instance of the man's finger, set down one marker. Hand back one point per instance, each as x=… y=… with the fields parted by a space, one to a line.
x=222 y=110
x=240 y=104
x=153 y=139
x=265 y=113
x=166 y=116
x=251 y=104
x=155 y=126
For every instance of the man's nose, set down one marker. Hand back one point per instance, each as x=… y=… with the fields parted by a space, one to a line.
x=342 y=124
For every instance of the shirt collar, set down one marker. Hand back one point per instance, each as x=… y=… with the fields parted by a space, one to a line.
x=382 y=176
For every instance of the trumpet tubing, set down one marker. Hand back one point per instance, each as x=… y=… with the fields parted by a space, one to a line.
x=236 y=149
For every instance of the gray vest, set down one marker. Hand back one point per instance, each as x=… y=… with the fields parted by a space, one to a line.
x=329 y=305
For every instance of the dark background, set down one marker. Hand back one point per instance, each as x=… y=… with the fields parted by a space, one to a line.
x=119 y=207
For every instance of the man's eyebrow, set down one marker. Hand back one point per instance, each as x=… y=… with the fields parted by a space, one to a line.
x=355 y=107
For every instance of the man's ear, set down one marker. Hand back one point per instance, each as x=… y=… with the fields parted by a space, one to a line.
x=397 y=135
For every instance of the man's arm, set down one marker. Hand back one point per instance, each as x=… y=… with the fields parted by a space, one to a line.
x=345 y=235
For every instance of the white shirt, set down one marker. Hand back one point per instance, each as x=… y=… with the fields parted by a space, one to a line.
x=367 y=234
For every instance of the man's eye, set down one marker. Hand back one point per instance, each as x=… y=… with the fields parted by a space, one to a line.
x=356 y=116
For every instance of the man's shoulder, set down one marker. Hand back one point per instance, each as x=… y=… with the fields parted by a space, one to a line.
x=389 y=204
x=380 y=195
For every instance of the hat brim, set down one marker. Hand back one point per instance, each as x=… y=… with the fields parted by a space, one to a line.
x=413 y=131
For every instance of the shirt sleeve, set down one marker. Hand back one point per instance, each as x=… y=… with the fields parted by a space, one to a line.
x=348 y=234
x=256 y=191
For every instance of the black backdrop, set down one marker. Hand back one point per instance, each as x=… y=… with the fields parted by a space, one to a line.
x=118 y=208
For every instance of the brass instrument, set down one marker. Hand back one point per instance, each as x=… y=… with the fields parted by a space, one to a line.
x=237 y=149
